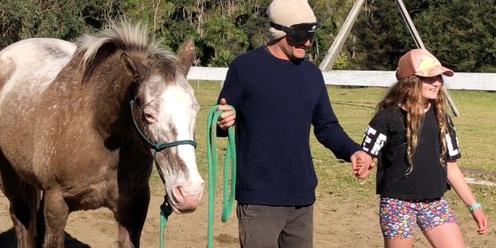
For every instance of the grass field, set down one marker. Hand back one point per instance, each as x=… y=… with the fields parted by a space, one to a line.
x=354 y=107
x=346 y=208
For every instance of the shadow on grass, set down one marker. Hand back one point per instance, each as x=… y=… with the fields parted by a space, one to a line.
x=8 y=240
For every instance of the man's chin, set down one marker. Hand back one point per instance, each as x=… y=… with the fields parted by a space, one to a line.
x=299 y=55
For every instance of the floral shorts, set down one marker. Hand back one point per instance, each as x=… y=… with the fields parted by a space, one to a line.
x=399 y=217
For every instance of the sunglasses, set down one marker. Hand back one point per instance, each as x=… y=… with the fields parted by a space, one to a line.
x=298 y=34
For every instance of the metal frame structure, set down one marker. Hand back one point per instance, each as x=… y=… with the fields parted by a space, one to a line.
x=338 y=43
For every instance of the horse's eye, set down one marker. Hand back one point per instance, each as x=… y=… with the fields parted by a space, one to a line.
x=149 y=118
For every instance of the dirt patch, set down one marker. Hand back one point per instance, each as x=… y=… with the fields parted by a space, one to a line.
x=340 y=221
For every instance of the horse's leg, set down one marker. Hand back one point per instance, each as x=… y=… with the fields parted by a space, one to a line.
x=23 y=203
x=55 y=213
x=131 y=217
x=40 y=224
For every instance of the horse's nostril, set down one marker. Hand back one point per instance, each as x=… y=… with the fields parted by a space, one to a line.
x=186 y=196
x=178 y=194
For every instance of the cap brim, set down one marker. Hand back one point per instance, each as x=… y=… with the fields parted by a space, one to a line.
x=447 y=72
x=435 y=71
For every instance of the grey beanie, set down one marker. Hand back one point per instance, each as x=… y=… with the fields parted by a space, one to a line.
x=287 y=13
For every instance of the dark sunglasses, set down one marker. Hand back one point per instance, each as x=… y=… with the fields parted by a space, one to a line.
x=298 y=34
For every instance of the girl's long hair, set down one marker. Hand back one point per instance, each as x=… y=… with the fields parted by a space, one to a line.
x=407 y=94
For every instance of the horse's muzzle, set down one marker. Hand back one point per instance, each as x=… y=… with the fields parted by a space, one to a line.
x=186 y=199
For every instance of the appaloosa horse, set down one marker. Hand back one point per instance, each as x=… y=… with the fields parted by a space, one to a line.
x=81 y=124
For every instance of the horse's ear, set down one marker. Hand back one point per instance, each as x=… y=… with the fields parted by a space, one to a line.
x=134 y=68
x=186 y=54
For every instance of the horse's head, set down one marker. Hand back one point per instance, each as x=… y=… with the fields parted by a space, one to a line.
x=164 y=110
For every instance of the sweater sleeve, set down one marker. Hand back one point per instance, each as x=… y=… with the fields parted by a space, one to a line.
x=328 y=130
x=230 y=91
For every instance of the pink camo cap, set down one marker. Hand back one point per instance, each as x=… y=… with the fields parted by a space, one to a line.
x=422 y=63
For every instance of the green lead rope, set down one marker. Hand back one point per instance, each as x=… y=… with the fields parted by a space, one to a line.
x=228 y=199
x=165 y=211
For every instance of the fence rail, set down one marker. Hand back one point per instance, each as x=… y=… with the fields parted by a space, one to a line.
x=461 y=80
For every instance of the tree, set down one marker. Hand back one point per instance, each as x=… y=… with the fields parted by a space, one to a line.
x=459 y=32
x=221 y=34
x=330 y=15
x=382 y=36
x=22 y=19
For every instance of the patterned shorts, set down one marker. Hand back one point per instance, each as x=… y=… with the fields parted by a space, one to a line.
x=399 y=217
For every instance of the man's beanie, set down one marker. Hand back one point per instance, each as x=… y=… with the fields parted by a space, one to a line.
x=287 y=13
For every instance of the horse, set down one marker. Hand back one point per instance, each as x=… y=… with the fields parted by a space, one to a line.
x=82 y=124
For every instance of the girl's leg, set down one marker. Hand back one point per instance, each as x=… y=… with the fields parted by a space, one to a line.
x=446 y=236
x=397 y=219
x=398 y=243
x=438 y=223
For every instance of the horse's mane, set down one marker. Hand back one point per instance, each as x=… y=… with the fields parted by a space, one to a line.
x=122 y=36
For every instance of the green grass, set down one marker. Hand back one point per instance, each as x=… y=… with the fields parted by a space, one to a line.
x=354 y=107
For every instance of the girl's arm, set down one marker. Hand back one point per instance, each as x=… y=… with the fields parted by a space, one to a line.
x=457 y=181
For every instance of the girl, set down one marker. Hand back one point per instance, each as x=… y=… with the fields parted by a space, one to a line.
x=415 y=143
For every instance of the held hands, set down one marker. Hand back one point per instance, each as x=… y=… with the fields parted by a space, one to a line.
x=480 y=219
x=227 y=118
x=361 y=164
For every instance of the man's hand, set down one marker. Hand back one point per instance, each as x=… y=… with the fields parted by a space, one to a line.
x=361 y=164
x=227 y=118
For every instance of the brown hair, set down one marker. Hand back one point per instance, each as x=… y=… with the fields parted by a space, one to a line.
x=407 y=94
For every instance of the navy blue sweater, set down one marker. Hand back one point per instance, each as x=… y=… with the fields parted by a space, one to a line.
x=276 y=101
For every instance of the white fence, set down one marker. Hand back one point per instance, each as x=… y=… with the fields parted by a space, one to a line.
x=461 y=80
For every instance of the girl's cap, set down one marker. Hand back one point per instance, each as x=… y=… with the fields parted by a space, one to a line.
x=422 y=63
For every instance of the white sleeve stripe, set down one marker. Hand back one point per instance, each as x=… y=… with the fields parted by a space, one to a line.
x=452 y=147
x=373 y=142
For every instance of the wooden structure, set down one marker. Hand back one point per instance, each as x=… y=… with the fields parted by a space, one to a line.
x=338 y=43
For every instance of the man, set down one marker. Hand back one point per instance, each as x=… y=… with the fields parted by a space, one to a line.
x=278 y=95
